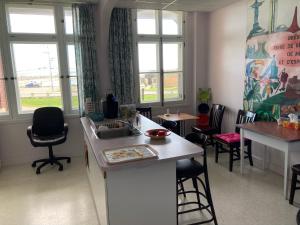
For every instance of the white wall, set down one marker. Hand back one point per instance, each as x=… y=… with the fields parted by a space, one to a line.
x=227 y=44
x=15 y=147
x=200 y=59
x=227 y=41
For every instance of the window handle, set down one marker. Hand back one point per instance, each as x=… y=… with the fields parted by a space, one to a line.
x=68 y=76
x=4 y=78
x=13 y=78
x=61 y=77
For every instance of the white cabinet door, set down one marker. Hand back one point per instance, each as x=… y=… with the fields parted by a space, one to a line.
x=98 y=185
x=142 y=195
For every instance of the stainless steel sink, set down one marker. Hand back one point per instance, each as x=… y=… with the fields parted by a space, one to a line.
x=115 y=129
x=117 y=132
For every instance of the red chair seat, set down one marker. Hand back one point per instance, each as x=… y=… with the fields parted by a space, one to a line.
x=203 y=121
x=229 y=137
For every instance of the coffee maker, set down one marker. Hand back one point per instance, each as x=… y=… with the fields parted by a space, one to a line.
x=110 y=107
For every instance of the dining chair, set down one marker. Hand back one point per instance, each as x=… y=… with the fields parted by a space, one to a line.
x=215 y=123
x=295 y=181
x=145 y=111
x=170 y=125
x=230 y=142
x=191 y=169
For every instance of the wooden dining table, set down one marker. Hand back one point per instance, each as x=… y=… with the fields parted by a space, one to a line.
x=270 y=134
x=180 y=118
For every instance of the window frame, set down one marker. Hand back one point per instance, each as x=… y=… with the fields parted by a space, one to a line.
x=4 y=79
x=160 y=39
x=60 y=38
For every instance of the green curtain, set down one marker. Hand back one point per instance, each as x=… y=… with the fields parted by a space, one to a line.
x=85 y=51
x=121 y=57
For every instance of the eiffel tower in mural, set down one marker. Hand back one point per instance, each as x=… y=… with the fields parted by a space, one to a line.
x=256 y=29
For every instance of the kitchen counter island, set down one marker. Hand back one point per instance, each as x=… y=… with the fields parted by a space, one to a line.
x=140 y=192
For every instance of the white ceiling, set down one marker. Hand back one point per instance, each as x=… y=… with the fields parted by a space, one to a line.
x=52 y=1
x=184 y=5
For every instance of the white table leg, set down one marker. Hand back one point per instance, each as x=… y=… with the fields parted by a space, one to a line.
x=242 y=150
x=286 y=173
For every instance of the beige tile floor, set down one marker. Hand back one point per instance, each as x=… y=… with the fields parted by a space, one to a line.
x=51 y=198
x=64 y=198
x=255 y=198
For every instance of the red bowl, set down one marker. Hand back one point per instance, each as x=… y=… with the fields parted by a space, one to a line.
x=157 y=133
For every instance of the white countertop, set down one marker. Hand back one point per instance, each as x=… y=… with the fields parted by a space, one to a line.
x=173 y=147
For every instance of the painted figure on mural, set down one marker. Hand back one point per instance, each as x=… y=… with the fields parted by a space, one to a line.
x=268 y=88
x=249 y=71
x=293 y=88
x=272 y=70
x=283 y=78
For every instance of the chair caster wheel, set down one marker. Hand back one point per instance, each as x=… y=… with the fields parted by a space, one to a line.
x=33 y=165
x=60 y=168
x=38 y=172
x=68 y=160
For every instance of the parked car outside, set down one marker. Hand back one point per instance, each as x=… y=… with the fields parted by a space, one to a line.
x=32 y=84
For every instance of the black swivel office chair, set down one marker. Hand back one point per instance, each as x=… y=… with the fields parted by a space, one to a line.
x=48 y=129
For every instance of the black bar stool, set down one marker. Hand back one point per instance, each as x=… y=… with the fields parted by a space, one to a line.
x=296 y=172
x=190 y=169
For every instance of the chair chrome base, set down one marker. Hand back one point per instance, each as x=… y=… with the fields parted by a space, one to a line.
x=51 y=160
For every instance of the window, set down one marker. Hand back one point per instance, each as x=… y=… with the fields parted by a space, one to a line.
x=172 y=59
x=73 y=76
x=160 y=43
x=3 y=97
x=37 y=75
x=147 y=22
x=172 y=23
x=149 y=72
x=23 y=19
x=41 y=59
x=68 y=21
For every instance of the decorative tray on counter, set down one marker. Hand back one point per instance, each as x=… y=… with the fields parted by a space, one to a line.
x=129 y=153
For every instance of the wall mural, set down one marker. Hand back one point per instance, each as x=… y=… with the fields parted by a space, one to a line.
x=272 y=81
